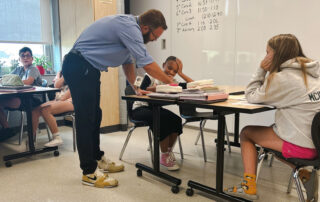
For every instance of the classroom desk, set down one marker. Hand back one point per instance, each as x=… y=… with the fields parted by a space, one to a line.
x=27 y=96
x=156 y=104
x=221 y=108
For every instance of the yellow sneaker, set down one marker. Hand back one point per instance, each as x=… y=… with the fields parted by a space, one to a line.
x=107 y=165
x=100 y=180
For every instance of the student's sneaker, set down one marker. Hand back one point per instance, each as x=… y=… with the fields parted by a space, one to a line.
x=98 y=179
x=310 y=182
x=57 y=141
x=109 y=166
x=167 y=161
x=247 y=189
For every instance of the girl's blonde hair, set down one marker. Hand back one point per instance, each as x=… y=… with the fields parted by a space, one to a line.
x=286 y=47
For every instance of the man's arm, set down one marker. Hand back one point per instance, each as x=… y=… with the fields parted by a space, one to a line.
x=154 y=70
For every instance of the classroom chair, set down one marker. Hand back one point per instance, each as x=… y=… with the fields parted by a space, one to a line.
x=136 y=124
x=71 y=115
x=190 y=114
x=23 y=114
x=298 y=163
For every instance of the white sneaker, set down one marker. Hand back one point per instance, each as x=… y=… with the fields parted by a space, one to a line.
x=98 y=179
x=106 y=165
x=57 y=141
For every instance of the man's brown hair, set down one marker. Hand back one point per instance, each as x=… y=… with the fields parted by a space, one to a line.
x=154 y=19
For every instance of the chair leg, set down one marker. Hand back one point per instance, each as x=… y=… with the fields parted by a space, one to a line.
x=227 y=136
x=202 y=123
x=290 y=183
x=8 y=113
x=197 y=139
x=295 y=173
x=126 y=142
x=271 y=160
x=180 y=147
x=150 y=144
x=261 y=156
x=48 y=131
x=21 y=127
x=74 y=134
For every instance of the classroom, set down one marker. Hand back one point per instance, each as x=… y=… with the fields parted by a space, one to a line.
x=146 y=100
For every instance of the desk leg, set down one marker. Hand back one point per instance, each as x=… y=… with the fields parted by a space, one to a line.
x=235 y=142
x=156 y=167
x=32 y=150
x=218 y=192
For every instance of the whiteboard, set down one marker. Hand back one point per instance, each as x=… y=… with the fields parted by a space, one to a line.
x=226 y=39
x=230 y=50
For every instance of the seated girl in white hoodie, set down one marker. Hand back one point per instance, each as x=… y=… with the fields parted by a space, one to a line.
x=290 y=86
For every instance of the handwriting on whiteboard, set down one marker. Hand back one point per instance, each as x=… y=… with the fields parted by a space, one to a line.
x=198 y=15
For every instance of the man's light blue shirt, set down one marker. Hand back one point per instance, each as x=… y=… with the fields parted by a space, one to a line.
x=112 y=41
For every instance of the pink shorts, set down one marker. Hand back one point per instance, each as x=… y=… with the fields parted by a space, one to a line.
x=293 y=151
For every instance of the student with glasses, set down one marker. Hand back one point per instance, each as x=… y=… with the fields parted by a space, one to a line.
x=30 y=75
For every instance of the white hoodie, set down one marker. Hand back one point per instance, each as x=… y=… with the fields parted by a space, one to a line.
x=296 y=104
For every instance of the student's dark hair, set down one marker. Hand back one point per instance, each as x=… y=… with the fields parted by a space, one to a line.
x=25 y=49
x=154 y=19
x=171 y=58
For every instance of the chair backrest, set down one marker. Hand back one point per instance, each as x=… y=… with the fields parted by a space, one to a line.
x=129 y=91
x=315 y=132
x=187 y=110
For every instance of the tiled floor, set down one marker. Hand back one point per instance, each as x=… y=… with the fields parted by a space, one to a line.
x=48 y=178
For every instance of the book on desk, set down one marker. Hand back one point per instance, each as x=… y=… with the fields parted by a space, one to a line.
x=15 y=88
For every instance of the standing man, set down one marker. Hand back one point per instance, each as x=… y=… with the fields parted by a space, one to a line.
x=109 y=42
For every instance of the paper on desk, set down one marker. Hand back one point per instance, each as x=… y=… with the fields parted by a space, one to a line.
x=237 y=97
x=246 y=103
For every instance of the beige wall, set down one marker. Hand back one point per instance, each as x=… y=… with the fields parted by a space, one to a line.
x=75 y=16
x=109 y=80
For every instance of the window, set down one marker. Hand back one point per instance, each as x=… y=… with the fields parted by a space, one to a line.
x=27 y=23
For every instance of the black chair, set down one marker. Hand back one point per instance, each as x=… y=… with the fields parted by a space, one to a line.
x=136 y=124
x=298 y=163
x=190 y=114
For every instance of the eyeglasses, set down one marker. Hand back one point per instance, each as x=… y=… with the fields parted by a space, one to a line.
x=25 y=56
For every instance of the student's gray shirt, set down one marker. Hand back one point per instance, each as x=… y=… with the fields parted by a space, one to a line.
x=32 y=71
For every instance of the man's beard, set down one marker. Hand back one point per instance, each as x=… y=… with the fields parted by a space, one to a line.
x=146 y=37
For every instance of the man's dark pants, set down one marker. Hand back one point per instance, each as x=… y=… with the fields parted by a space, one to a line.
x=84 y=83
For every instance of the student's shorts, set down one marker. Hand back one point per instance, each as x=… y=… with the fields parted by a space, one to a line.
x=294 y=151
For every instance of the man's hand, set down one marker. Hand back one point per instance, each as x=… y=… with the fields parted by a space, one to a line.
x=142 y=92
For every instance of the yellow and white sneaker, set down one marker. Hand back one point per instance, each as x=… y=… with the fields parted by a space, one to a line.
x=99 y=179
x=106 y=165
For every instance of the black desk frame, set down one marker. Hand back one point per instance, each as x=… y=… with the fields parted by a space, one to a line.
x=27 y=97
x=156 y=104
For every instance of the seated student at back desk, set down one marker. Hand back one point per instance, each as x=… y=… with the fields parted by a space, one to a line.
x=290 y=86
x=171 y=124
x=30 y=75
x=62 y=103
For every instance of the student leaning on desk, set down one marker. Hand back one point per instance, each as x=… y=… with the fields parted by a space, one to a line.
x=30 y=75
x=291 y=86
x=171 y=124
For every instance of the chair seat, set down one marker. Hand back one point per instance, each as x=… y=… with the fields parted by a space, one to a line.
x=139 y=123
x=295 y=161
x=65 y=114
